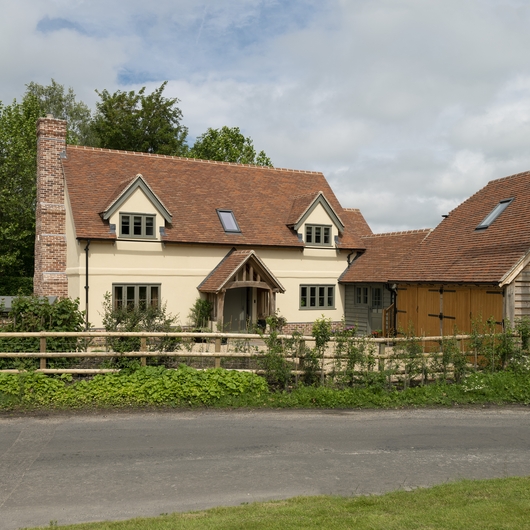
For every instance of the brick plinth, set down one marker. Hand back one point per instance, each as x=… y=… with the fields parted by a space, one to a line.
x=305 y=328
x=50 y=237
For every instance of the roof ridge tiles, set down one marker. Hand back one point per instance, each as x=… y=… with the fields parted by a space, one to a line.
x=198 y=160
x=400 y=233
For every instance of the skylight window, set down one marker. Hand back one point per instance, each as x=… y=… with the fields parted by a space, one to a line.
x=494 y=214
x=228 y=220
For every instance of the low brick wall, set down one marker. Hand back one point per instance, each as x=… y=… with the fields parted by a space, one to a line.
x=305 y=328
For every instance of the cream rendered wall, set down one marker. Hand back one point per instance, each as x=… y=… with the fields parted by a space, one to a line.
x=179 y=269
x=138 y=203
x=309 y=266
x=73 y=252
x=319 y=216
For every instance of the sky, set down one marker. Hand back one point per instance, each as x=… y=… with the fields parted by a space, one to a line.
x=407 y=106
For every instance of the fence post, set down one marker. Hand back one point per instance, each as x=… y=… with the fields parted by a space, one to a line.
x=143 y=347
x=381 y=357
x=43 y=350
x=217 y=358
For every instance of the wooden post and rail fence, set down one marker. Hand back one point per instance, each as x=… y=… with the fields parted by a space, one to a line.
x=222 y=349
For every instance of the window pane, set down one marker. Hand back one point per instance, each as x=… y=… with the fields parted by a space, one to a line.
x=125 y=225
x=358 y=295
x=228 y=220
x=326 y=236
x=376 y=297
x=308 y=234
x=321 y=296
x=312 y=297
x=318 y=237
x=154 y=296
x=142 y=296
x=330 y=297
x=137 y=225
x=365 y=295
x=130 y=296
x=149 y=226
x=118 y=297
x=303 y=297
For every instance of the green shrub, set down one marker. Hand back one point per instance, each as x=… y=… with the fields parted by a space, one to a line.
x=138 y=319
x=144 y=386
x=33 y=314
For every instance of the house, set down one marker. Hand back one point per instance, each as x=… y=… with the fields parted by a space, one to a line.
x=153 y=229
x=474 y=266
x=369 y=297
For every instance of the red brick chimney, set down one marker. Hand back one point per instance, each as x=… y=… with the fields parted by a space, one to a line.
x=50 y=237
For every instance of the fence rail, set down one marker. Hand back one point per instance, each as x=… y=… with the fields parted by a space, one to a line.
x=381 y=348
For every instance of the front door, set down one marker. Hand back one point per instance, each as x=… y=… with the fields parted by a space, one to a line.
x=235 y=314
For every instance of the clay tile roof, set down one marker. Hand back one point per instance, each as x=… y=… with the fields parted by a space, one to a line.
x=383 y=253
x=353 y=219
x=300 y=206
x=261 y=198
x=456 y=252
x=228 y=266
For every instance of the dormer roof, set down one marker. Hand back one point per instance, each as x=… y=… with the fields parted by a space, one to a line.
x=303 y=205
x=125 y=191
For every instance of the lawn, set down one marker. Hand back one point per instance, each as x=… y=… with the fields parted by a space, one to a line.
x=487 y=504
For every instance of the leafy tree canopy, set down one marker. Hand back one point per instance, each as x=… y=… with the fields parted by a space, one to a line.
x=18 y=166
x=228 y=145
x=133 y=121
x=54 y=99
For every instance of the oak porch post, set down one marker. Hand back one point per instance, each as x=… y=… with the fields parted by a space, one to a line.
x=220 y=309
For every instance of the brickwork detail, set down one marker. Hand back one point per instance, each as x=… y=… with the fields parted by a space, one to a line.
x=305 y=328
x=50 y=236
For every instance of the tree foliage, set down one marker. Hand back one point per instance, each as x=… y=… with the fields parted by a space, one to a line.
x=18 y=166
x=54 y=99
x=228 y=145
x=148 y=123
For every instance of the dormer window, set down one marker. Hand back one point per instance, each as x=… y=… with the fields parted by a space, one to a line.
x=319 y=235
x=137 y=225
x=228 y=221
x=494 y=214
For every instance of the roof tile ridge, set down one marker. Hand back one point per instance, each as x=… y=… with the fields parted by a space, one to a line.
x=510 y=177
x=198 y=160
x=400 y=233
x=304 y=195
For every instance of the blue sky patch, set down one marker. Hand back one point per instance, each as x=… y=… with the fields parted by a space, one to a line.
x=49 y=25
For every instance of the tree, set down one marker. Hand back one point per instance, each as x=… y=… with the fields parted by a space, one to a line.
x=133 y=121
x=228 y=145
x=18 y=167
x=54 y=99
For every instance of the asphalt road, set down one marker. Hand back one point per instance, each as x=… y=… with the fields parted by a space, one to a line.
x=76 y=468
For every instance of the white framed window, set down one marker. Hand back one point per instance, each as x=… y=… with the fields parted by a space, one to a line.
x=317 y=297
x=135 y=225
x=141 y=295
x=319 y=235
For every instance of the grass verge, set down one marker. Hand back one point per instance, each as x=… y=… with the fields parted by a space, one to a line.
x=499 y=504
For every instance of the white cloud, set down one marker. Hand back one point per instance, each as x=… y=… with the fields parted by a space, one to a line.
x=407 y=106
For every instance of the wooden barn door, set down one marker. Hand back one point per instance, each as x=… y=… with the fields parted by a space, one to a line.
x=407 y=308
x=486 y=303
x=429 y=309
x=455 y=310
